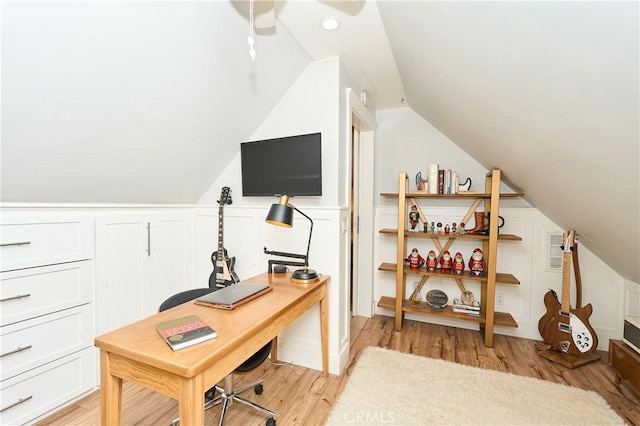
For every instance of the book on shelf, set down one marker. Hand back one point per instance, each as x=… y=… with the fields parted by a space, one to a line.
x=469 y=312
x=463 y=304
x=455 y=182
x=185 y=331
x=447 y=181
x=433 y=178
x=466 y=308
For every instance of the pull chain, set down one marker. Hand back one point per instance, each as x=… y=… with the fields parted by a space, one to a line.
x=250 y=40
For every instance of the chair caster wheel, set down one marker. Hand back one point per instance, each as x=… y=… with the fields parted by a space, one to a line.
x=271 y=422
x=210 y=394
x=258 y=390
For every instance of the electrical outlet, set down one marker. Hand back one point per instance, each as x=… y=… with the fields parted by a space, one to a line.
x=499 y=298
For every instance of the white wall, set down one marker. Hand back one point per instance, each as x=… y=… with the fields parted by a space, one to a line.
x=310 y=105
x=405 y=142
x=399 y=132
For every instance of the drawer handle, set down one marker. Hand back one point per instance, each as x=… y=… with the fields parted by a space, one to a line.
x=148 y=238
x=18 y=402
x=19 y=243
x=15 y=351
x=20 y=296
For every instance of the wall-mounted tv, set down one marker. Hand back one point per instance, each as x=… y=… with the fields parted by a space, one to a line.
x=289 y=165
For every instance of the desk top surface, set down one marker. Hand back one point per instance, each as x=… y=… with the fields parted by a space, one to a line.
x=141 y=342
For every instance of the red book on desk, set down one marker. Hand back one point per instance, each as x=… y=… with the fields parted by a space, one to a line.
x=185 y=331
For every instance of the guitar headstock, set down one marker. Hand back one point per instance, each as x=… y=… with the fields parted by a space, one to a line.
x=225 y=196
x=568 y=239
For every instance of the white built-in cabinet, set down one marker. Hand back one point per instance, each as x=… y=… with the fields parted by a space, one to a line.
x=46 y=312
x=141 y=259
x=66 y=277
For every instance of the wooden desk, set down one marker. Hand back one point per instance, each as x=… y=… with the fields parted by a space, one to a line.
x=138 y=354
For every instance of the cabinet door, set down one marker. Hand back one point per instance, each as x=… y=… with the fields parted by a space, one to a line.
x=141 y=259
x=171 y=258
x=122 y=269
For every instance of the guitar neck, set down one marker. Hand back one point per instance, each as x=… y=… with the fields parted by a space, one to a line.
x=567 y=258
x=220 y=228
x=566 y=282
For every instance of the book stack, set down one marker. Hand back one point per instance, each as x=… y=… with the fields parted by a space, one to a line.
x=466 y=308
x=442 y=181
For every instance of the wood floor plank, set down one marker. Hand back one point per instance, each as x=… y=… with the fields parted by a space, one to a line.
x=302 y=396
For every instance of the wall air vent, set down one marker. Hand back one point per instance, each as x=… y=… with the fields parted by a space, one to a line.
x=553 y=252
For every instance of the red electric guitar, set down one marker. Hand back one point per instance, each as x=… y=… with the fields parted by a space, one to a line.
x=565 y=328
x=223 y=274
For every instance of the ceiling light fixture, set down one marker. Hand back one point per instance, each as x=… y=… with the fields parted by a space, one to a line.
x=330 y=23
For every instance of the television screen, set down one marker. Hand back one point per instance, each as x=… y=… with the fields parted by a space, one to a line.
x=290 y=165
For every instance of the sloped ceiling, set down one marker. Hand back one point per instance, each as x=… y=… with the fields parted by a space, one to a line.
x=131 y=102
x=546 y=91
x=147 y=101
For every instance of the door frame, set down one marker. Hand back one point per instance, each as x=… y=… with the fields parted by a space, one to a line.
x=364 y=122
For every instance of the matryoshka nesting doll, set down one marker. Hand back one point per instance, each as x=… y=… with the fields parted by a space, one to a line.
x=476 y=263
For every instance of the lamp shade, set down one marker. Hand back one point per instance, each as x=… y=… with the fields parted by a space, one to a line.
x=280 y=215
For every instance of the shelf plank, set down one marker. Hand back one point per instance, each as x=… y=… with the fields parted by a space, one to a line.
x=501 y=318
x=501 y=237
x=500 y=277
x=459 y=195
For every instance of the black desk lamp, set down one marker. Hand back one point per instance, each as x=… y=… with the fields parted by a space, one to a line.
x=281 y=214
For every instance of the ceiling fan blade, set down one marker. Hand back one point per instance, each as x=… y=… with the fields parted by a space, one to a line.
x=264 y=14
x=350 y=7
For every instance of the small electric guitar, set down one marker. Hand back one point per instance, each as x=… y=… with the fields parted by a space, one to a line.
x=565 y=328
x=223 y=274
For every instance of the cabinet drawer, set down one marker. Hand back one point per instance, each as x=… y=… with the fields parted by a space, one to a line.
x=33 y=292
x=29 y=344
x=46 y=388
x=625 y=362
x=37 y=240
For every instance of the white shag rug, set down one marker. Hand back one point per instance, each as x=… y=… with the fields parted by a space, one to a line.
x=394 y=388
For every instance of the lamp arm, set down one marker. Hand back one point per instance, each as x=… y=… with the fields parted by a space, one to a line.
x=306 y=260
x=283 y=254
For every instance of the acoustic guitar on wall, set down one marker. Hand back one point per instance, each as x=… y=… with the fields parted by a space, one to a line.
x=565 y=328
x=223 y=273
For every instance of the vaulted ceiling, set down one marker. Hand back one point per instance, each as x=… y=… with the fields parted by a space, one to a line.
x=546 y=91
x=129 y=101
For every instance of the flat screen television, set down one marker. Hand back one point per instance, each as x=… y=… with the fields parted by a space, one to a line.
x=290 y=165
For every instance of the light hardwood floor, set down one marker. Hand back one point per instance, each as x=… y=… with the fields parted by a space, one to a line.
x=303 y=397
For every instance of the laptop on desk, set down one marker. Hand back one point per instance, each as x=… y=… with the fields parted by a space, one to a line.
x=232 y=296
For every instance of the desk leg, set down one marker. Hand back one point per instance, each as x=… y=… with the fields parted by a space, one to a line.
x=274 y=350
x=324 y=333
x=191 y=401
x=110 y=393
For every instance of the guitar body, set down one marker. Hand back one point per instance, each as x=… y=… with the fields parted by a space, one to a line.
x=549 y=318
x=223 y=274
x=222 y=267
x=568 y=332
x=565 y=328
